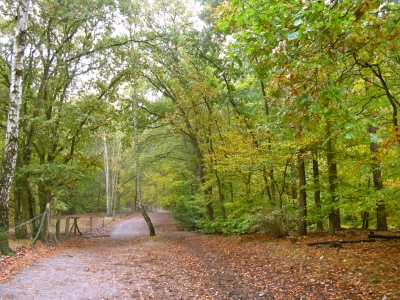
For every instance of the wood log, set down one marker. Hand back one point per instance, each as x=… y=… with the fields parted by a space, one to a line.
x=341 y=242
x=95 y=236
x=380 y=236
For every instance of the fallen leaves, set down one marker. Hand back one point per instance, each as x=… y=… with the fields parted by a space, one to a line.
x=184 y=265
x=24 y=254
x=259 y=266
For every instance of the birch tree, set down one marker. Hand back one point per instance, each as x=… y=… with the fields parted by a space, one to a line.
x=115 y=174
x=11 y=144
x=107 y=176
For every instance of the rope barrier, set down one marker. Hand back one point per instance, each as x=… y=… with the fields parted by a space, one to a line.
x=39 y=230
x=20 y=225
x=26 y=222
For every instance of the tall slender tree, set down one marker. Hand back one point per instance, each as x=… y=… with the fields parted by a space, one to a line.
x=137 y=154
x=14 y=108
x=107 y=176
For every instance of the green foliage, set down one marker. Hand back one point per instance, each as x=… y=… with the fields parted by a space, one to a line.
x=275 y=223
x=188 y=214
x=220 y=226
x=59 y=205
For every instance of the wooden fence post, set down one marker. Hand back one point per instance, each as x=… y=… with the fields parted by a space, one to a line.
x=48 y=219
x=67 y=228
x=58 y=224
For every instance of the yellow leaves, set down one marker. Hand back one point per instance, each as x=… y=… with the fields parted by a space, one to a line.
x=361 y=9
x=364 y=7
x=295 y=92
x=394 y=35
x=393 y=183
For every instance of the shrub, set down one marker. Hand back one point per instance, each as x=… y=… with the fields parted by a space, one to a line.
x=228 y=226
x=188 y=215
x=276 y=223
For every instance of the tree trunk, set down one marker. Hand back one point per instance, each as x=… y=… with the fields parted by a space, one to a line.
x=137 y=154
x=220 y=195
x=19 y=232
x=21 y=206
x=48 y=200
x=148 y=220
x=381 y=221
x=210 y=212
x=25 y=205
x=114 y=175
x=45 y=197
x=302 y=230
x=271 y=191
x=302 y=224
x=42 y=196
x=267 y=187
x=107 y=176
x=34 y=225
x=207 y=194
x=215 y=167
x=294 y=185
x=334 y=216
x=118 y=194
x=317 y=192
x=14 y=108
x=92 y=204
x=273 y=187
x=365 y=220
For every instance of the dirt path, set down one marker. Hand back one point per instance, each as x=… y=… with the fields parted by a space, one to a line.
x=103 y=268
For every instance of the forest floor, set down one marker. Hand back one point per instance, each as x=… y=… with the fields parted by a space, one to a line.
x=186 y=265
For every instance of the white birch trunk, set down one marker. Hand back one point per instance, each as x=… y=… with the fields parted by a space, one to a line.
x=107 y=176
x=115 y=161
x=111 y=167
x=11 y=143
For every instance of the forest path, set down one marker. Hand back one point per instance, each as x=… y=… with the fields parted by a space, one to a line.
x=126 y=265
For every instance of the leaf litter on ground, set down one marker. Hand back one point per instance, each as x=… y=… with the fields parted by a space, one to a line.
x=182 y=265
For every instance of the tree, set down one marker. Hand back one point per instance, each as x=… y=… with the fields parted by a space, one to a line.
x=381 y=223
x=137 y=155
x=302 y=227
x=107 y=176
x=12 y=131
